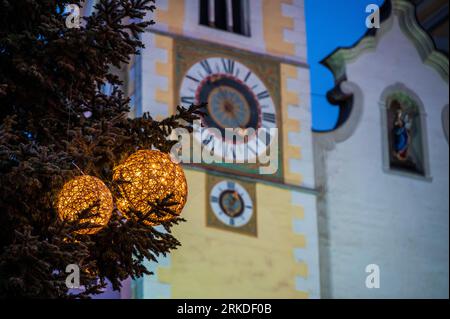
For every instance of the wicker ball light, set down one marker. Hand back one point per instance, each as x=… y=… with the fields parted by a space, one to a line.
x=85 y=194
x=146 y=177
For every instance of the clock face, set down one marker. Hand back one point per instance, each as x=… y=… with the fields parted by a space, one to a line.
x=231 y=204
x=237 y=99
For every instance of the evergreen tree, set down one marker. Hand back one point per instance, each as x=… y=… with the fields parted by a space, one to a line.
x=55 y=119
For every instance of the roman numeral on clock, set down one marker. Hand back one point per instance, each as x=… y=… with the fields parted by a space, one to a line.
x=192 y=78
x=215 y=199
x=187 y=99
x=263 y=95
x=269 y=117
x=206 y=66
x=228 y=66
x=266 y=140
x=208 y=140
x=249 y=74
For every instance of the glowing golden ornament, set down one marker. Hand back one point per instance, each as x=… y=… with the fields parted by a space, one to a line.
x=146 y=177
x=85 y=193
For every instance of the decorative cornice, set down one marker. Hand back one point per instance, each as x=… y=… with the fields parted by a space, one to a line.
x=422 y=41
x=175 y=36
x=337 y=61
x=353 y=99
x=405 y=11
x=339 y=58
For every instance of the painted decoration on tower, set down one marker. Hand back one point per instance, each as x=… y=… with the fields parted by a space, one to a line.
x=242 y=94
x=405 y=134
x=236 y=98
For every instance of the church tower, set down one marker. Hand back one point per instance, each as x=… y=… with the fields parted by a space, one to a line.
x=247 y=235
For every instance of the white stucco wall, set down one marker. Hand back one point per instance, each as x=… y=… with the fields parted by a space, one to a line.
x=373 y=217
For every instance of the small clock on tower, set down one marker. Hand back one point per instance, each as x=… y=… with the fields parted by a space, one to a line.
x=232 y=205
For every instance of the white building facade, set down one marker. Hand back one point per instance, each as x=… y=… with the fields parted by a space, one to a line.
x=381 y=205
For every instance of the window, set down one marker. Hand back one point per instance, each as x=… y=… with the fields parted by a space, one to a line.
x=227 y=15
x=404 y=131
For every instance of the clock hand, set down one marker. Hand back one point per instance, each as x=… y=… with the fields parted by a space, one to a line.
x=234 y=119
x=224 y=97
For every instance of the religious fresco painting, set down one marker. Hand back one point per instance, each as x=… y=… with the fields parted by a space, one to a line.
x=405 y=135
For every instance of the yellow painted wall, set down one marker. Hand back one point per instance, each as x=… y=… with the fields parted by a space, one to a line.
x=173 y=17
x=289 y=125
x=214 y=263
x=166 y=69
x=274 y=25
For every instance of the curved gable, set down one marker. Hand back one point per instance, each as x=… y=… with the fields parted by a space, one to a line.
x=339 y=60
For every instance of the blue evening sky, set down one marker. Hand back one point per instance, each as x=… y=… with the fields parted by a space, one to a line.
x=330 y=24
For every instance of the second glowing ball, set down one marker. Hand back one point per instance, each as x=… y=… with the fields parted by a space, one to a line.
x=146 y=177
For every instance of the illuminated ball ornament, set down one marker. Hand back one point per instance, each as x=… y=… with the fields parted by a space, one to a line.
x=146 y=177
x=85 y=194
